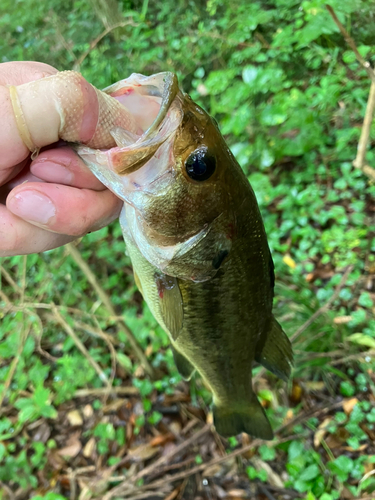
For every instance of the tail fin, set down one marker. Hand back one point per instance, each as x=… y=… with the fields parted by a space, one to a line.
x=250 y=417
x=276 y=354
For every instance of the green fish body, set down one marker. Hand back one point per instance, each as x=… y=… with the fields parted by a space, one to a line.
x=198 y=247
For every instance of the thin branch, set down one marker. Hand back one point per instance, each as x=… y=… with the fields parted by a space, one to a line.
x=265 y=492
x=11 y=495
x=349 y=40
x=365 y=133
x=128 y=488
x=123 y=391
x=60 y=37
x=69 y=330
x=9 y=279
x=138 y=351
x=95 y=42
x=369 y=171
x=98 y=333
x=187 y=442
x=358 y=357
x=262 y=40
x=148 y=494
x=151 y=468
x=13 y=366
x=324 y=307
x=316 y=314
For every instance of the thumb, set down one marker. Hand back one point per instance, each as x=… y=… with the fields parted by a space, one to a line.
x=65 y=106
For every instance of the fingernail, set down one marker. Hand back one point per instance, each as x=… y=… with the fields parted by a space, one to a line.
x=32 y=206
x=52 y=172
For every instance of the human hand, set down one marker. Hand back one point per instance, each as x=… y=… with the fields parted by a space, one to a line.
x=54 y=198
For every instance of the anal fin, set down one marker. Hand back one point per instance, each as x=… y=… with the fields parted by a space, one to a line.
x=184 y=367
x=276 y=354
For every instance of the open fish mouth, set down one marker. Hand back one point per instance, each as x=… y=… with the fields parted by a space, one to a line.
x=140 y=163
x=143 y=171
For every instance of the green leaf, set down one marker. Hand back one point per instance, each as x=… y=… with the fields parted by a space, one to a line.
x=267 y=452
x=347 y=389
x=362 y=339
x=124 y=361
x=311 y=472
x=365 y=300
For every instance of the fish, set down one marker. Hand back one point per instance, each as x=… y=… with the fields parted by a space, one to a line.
x=198 y=246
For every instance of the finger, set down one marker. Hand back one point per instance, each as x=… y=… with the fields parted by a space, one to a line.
x=24 y=176
x=63 y=209
x=62 y=106
x=18 y=237
x=19 y=72
x=64 y=166
x=16 y=73
x=10 y=173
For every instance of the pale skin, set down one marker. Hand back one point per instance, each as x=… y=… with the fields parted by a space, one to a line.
x=53 y=199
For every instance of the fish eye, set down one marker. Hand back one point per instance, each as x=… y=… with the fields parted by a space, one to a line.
x=200 y=165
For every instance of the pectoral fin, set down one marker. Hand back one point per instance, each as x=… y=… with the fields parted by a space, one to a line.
x=185 y=368
x=275 y=353
x=138 y=282
x=170 y=301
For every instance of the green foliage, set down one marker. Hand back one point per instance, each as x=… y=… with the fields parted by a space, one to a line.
x=289 y=97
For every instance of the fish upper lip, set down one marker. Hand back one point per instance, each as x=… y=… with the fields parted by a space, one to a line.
x=170 y=91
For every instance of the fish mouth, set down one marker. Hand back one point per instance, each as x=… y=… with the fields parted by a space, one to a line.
x=140 y=163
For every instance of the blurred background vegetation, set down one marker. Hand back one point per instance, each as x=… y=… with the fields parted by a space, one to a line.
x=290 y=99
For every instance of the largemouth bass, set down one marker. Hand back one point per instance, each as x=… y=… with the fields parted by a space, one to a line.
x=199 y=250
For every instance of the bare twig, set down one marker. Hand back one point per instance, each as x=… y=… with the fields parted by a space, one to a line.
x=98 y=332
x=69 y=330
x=128 y=488
x=125 y=485
x=361 y=356
x=95 y=42
x=324 y=307
x=123 y=391
x=9 y=279
x=23 y=279
x=349 y=40
x=13 y=365
x=75 y=254
x=285 y=492
x=148 y=494
x=362 y=144
x=365 y=133
x=316 y=314
x=187 y=442
x=8 y=491
x=265 y=491
x=262 y=40
x=56 y=22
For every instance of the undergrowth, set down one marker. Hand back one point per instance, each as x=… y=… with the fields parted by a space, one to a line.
x=290 y=99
